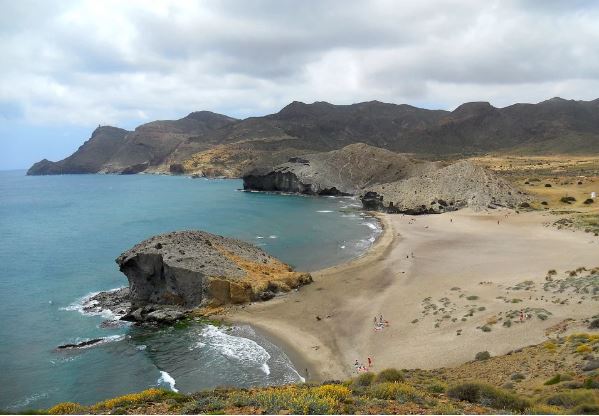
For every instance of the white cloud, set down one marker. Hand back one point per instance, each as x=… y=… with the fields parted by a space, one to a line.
x=84 y=62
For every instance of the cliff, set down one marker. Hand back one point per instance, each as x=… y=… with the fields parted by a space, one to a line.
x=188 y=269
x=214 y=144
x=339 y=172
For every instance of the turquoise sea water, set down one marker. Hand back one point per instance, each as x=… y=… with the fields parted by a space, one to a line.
x=59 y=236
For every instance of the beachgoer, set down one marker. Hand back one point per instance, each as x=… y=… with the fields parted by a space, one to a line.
x=369 y=362
x=521 y=315
x=381 y=319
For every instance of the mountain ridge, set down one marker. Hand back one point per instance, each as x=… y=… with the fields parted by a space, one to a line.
x=556 y=124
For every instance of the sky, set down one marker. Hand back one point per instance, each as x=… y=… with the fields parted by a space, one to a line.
x=68 y=66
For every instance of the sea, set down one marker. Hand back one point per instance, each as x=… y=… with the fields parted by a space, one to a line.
x=59 y=237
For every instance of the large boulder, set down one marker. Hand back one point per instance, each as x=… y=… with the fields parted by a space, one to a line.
x=195 y=268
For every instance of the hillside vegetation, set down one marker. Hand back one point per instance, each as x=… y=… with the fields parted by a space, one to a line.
x=559 y=376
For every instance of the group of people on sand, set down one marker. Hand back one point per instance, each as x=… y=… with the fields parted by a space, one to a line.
x=380 y=323
x=361 y=368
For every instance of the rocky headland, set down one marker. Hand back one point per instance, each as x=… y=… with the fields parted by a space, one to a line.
x=346 y=171
x=173 y=274
x=389 y=182
x=210 y=144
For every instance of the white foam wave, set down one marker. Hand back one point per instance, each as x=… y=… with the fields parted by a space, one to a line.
x=105 y=340
x=259 y=236
x=165 y=378
x=272 y=236
x=371 y=225
x=141 y=347
x=324 y=211
x=28 y=400
x=87 y=306
x=240 y=349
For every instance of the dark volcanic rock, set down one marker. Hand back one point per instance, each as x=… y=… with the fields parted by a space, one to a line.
x=80 y=344
x=340 y=172
x=91 y=157
x=551 y=126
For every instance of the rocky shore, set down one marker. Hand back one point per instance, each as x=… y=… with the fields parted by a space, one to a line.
x=173 y=274
x=389 y=182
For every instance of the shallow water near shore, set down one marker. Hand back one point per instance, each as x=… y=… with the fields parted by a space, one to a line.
x=59 y=238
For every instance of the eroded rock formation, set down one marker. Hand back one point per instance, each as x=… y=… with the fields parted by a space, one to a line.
x=188 y=269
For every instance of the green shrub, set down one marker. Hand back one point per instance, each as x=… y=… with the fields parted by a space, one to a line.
x=571 y=398
x=483 y=355
x=389 y=375
x=543 y=409
x=554 y=380
x=586 y=409
x=487 y=395
x=485 y=328
x=472 y=297
x=518 y=376
x=364 y=379
x=67 y=408
x=394 y=391
x=436 y=387
x=445 y=409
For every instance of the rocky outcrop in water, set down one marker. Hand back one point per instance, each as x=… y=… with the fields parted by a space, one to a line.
x=340 y=172
x=172 y=273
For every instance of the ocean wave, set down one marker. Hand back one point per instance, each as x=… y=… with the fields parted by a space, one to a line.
x=165 y=378
x=371 y=225
x=272 y=236
x=90 y=307
x=240 y=349
x=324 y=211
x=28 y=400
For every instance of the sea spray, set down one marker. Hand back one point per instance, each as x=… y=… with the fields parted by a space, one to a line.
x=165 y=378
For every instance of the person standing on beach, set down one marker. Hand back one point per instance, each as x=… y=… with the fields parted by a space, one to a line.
x=357 y=365
x=369 y=362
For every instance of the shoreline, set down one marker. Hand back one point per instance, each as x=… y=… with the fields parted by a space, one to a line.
x=467 y=259
x=296 y=355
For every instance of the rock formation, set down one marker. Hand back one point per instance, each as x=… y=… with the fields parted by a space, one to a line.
x=459 y=185
x=555 y=125
x=339 y=172
x=178 y=271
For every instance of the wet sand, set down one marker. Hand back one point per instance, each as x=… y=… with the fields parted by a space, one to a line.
x=464 y=263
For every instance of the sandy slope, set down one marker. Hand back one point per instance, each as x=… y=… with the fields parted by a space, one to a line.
x=461 y=253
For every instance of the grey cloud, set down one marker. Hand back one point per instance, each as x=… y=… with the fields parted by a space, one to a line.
x=110 y=61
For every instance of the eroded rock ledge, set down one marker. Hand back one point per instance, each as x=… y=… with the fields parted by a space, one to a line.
x=172 y=274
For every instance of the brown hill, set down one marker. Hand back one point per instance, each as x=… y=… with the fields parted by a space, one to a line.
x=555 y=125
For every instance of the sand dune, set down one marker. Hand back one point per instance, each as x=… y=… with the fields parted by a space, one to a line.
x=465 y=264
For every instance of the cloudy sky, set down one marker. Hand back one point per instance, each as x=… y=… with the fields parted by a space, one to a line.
x=68 y=66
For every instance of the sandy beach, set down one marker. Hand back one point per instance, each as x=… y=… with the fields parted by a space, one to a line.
x=447 y=284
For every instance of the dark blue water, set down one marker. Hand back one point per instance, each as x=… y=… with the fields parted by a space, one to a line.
x=59 y=236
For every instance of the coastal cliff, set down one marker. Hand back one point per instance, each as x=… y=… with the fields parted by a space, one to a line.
x=175 y=272
x=339 y=172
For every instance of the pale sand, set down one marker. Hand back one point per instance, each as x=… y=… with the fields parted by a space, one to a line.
x=462 y=253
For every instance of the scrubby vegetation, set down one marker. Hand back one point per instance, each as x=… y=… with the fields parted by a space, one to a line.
x=528 y=378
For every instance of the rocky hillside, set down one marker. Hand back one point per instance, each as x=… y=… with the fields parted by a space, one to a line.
x=339 y=172
x=459 y=185
x=555 y=125
x=182 y=270
x=556 y=377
